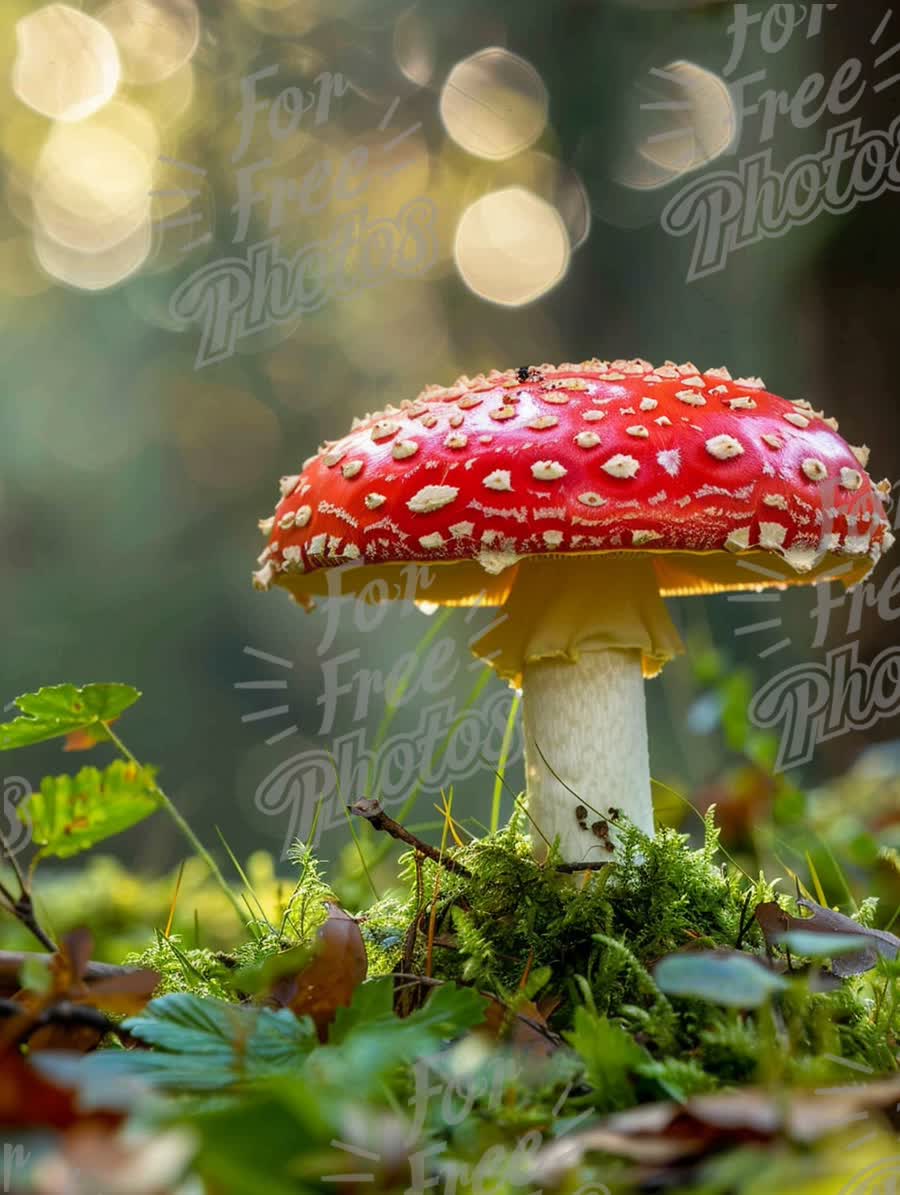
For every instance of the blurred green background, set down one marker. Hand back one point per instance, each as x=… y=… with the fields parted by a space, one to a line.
x=131 y=480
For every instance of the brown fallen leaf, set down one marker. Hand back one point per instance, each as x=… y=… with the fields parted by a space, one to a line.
x=327 y=982
x=12 y=961
x=774 y=921
x=525 y=1026
x=662 y=1134
x=28 y=1100
x=70 y=1014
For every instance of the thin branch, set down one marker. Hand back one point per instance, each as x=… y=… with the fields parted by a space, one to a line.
x=426 y=981
x=12 y=961
x=22 y=907
x=10 y=856
x=69 y=1015
x=370 y=810
x=432 y=922
x=414 y=979
x=745 y=921
x=24 y=912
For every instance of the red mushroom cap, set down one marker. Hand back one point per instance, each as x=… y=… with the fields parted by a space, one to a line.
x=705 y=472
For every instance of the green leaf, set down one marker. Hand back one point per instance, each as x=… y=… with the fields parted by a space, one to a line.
x=729 y=978
x=262 y=975
x=372 y=1002
x=448 y=1011
x=676 y=1078
x=813 y=945
x=186 y=1023
x=204 y=1044
x=60 y=709
x=610 y=1055
x=277 y=1139
x=70 y=814
x=369 y=1041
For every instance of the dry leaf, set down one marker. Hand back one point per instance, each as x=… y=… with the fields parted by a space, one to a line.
x=774 y=921
x=661 y=1134
x=28 y=1100
x=330 y=978
x=60 y=1018
x=525 y=1027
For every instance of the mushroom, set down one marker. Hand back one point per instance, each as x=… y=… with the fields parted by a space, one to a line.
x=577 y=497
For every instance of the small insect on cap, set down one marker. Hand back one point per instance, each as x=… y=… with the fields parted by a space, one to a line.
x=712 y=481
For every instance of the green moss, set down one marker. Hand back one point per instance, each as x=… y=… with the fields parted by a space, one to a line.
x=384 y=928
x=210 y=973
x=661 y=897
x=200 y=971
x=524 y=931
x=596 y=944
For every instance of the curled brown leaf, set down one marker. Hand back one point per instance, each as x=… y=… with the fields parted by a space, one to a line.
x=874 y=943
x=327 y=982
x=665 y=1134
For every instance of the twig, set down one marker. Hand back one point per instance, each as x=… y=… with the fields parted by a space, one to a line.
x=426 y=981
x=414 y=979
x=11 y=962
x=370 y=809
x=24 y=911
x=22 y=907
x=571 y=868
x=68 y=1015
x=404 y=1003
x=745 y=921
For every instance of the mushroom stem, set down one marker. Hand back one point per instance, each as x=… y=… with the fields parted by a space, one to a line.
x=586 y=754
x=579 y=637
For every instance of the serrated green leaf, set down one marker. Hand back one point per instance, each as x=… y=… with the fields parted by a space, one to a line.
x=70 y=814
x=372 y=1001
x=369 y=1040
x=611 y=1057
x=59 y=710
x=733 y=979
x=262 y=975
x=204 y=1044
x=448 y=1011
x=186 y=1023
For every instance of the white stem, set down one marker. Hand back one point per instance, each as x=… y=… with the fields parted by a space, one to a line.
x=589 y=721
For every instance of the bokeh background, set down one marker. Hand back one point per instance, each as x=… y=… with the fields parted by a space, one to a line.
x=549 y=137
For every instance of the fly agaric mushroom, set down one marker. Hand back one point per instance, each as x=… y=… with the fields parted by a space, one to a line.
x=577 y=497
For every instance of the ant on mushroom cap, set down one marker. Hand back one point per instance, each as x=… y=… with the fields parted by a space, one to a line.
x=527 y=373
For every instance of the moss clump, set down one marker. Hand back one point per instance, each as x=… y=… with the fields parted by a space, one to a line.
x=660 y=897
x=384 y=928
x=216 y=973
x=595 y=944
x=198 y=970
x=584 y=950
